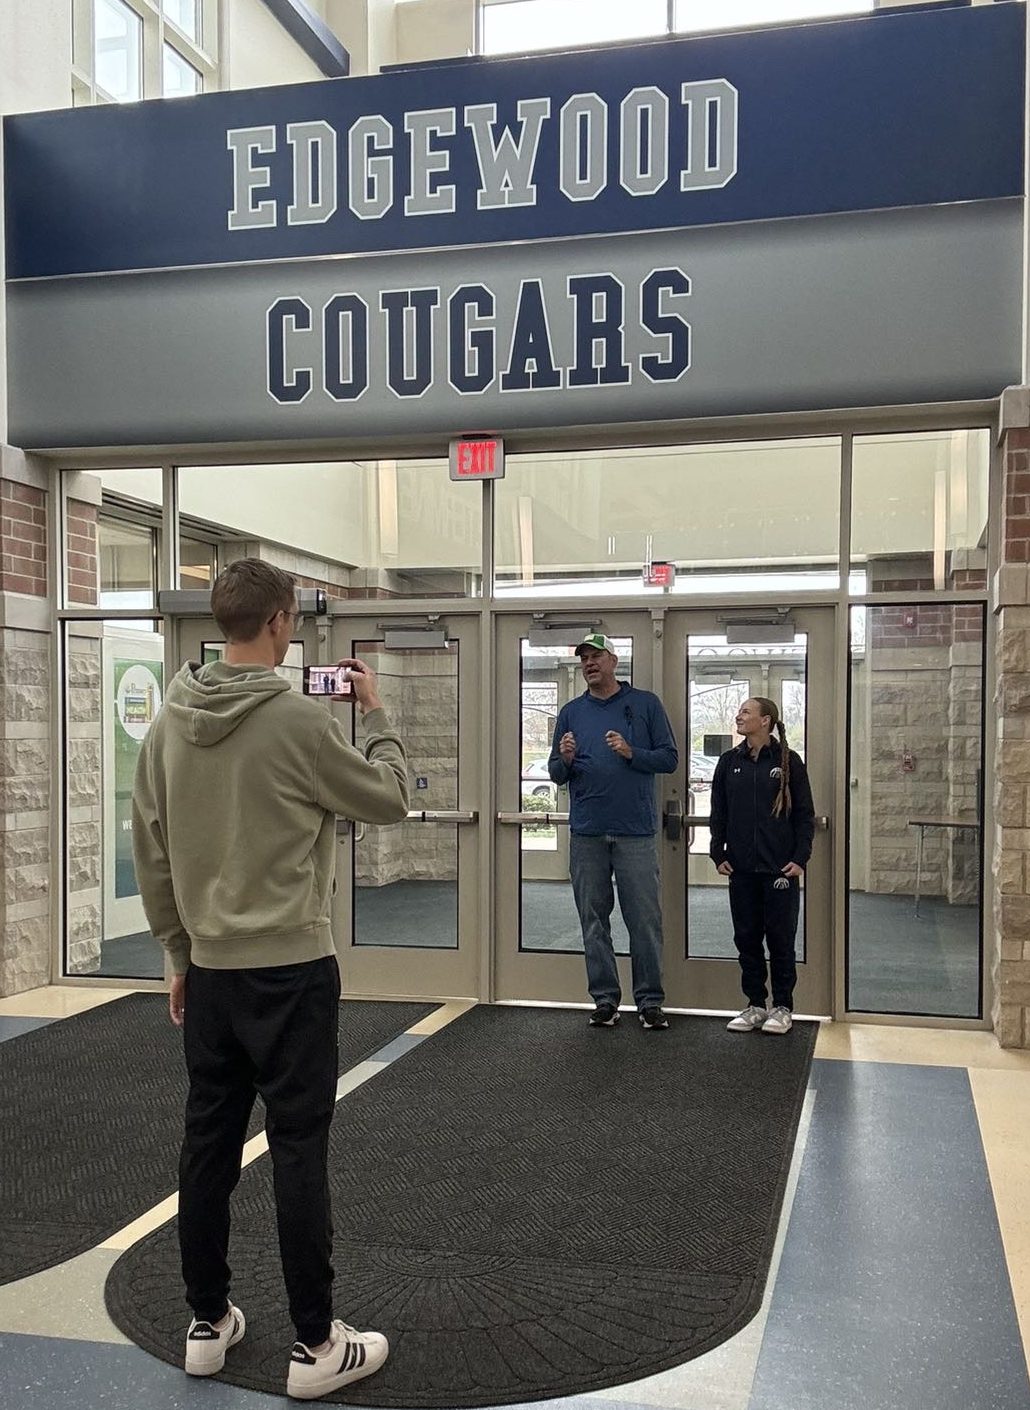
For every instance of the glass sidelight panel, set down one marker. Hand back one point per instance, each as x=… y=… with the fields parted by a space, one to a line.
x=919 y=507
x=915 y=810
x=358 y=529
x=721 y=675
x=111 y=537
x=406 y=876
x=550 y=677
x=127 y=561
x=589 y=522
x=114 y=685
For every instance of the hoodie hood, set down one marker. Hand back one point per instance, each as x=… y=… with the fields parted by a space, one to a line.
x=205 y=703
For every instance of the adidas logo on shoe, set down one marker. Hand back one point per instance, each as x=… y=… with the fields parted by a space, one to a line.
x=206 y=1345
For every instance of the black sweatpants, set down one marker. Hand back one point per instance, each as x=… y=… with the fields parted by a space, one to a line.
x=272 y=1031
x=765 y=911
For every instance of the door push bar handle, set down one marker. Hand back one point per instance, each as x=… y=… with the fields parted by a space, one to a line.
x=344 y=826
x=674 y=819
x=451 y=816
x=540 y=819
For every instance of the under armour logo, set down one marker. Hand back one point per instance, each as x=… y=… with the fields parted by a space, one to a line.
x=780 y=884
x=775 y=773
x=736 y=771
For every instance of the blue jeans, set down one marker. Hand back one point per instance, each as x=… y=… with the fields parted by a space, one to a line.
x=634 y=863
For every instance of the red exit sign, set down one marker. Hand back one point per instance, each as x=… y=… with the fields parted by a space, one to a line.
x=477 y=458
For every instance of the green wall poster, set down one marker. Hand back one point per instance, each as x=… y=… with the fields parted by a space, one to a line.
x=138 y=687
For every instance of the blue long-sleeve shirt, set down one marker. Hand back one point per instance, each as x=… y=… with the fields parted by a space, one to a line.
x=611 y=796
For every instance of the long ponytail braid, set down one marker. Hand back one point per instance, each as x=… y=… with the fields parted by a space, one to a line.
x=782 y=805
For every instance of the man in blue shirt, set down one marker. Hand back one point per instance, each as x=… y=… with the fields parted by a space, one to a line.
x=608 y=745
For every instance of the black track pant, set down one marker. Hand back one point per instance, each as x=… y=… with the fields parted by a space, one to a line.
x=763 y=911
x=272 y=1031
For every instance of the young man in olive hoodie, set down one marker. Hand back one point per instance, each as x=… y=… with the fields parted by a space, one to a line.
x=237 y=789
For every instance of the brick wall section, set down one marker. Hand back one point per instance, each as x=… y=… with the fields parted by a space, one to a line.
x=1009 y=938
x=913 y=627
x=1016 y=545
x=83 y=569
x=974 y=578
x=23 y=564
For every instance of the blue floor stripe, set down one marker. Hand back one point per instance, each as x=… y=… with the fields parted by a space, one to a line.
x=397 y=1047
x=11 y=1027
x=893 y=1291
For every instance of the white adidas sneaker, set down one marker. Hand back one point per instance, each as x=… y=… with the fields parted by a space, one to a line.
x=206 y=1345
x=351 y=1356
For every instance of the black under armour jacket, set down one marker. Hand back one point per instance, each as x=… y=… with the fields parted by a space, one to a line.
x=745 y=832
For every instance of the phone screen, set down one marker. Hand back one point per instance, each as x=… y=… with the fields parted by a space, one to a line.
x=328 y=680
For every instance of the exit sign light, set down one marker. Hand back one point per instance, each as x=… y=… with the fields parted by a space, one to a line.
x=477 y=458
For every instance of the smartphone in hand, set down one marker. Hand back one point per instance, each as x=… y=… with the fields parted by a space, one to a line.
x=329 y=681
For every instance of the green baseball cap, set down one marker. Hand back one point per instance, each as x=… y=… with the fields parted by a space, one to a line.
x=598 y=641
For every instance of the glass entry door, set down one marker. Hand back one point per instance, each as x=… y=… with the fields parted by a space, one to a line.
x=702 y=665
x=713 y=662
x=407 y=906
x=538 y=943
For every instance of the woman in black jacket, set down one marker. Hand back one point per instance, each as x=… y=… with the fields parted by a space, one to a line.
x=763 y=822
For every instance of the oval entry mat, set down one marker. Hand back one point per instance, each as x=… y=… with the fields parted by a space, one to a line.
x=527 y=1207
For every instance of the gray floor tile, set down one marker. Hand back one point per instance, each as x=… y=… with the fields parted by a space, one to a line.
x=893 y=1290
x=40 y=1373
x=397 y=1047
x=11 y=1027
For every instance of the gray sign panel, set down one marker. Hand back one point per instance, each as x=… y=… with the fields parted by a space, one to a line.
x=838 y=311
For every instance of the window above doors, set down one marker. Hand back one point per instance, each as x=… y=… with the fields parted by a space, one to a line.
x=520 y=26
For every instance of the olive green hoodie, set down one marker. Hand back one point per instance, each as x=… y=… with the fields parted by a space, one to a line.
x=237 y=788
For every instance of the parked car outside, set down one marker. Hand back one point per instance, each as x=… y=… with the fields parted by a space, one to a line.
x=702 y=771
x=536 y=781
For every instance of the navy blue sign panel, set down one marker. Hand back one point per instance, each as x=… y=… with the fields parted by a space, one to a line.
x=882 y=111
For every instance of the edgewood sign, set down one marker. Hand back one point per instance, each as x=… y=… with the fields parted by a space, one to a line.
x=889 y=125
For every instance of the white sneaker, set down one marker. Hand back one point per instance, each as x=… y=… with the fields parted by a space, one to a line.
x=351 y=1356
x=779 y=1020
x=206 y=1345
x=752 y=1017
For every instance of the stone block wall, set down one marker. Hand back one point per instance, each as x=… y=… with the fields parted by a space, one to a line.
x=25 y=810
x=923 y=672
x=84 y=900
x=25 y=725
